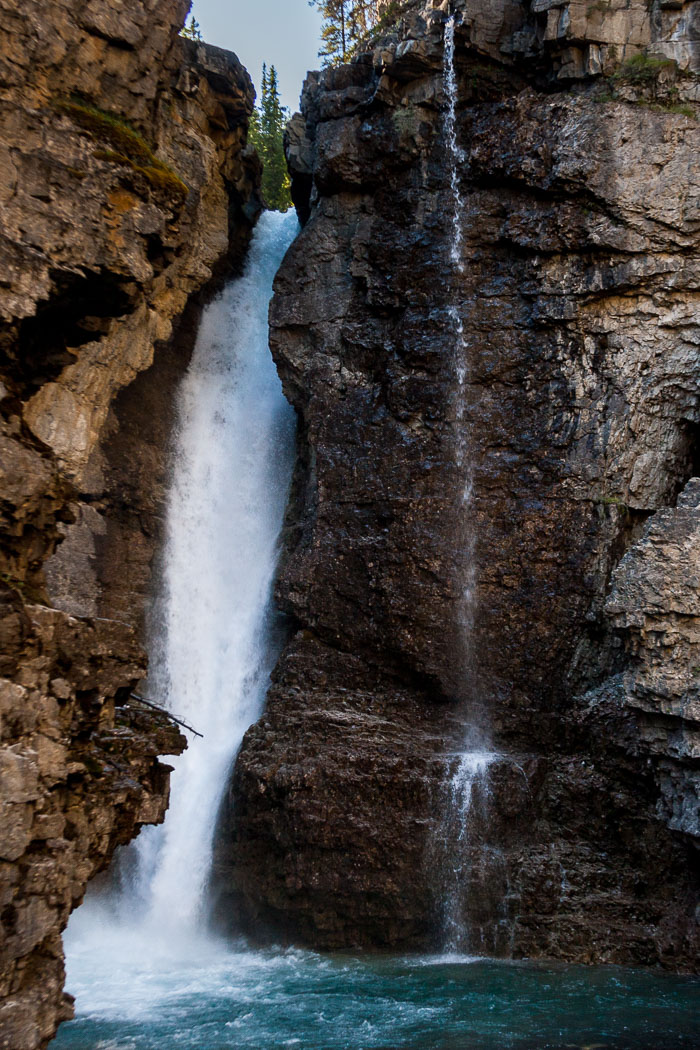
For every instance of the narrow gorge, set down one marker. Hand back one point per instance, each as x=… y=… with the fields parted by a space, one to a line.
x=436 y=614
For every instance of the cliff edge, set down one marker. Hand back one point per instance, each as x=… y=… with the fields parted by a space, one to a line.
x=126 y=189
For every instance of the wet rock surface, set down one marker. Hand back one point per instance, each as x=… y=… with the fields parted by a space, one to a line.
x=578 y=298
x=126 y=192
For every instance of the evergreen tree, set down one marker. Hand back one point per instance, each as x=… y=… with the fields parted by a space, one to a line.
x=346 y=24
x=267 y=135
x=191 y=30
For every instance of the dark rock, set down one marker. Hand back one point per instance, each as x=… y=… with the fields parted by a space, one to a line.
x=578 y=299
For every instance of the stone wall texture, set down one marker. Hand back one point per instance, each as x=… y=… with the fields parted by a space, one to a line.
x=578 y=294
x=126 y=191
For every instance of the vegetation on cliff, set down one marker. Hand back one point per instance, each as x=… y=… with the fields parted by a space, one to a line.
x=191 y=30
x=349 y=24
x=267 y=135
x=129 y=148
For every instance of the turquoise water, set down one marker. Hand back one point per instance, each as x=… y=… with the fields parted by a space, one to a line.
x=263 y=1000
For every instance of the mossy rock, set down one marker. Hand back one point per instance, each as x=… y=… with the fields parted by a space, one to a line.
x=644 y=69
x=128 y=147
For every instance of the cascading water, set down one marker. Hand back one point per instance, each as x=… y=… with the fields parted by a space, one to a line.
x=229 y=490
x=454 y=153
x=470 y=768
x=212 y=648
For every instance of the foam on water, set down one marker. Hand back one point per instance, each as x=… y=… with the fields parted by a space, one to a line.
x=267 y=1000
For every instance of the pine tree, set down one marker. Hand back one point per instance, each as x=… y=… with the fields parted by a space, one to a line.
x=191 y=30
x=346 y=24
x=267 y=135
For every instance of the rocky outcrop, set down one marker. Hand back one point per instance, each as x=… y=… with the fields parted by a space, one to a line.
x=578 y=301
x=80 y=776
x=126 y=191
x=654 y=605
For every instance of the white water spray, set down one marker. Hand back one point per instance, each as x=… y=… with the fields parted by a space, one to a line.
x=470 y=772
x=212 y=649
x=471 y=768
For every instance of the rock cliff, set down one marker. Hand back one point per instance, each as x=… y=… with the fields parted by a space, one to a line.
x=573 y=312
x=126 y=190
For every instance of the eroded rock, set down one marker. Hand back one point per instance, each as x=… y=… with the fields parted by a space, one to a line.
x=578 y=298
x=126 y=191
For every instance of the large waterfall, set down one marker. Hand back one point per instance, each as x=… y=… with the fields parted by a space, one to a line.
x=212 y=657
x=212 y=645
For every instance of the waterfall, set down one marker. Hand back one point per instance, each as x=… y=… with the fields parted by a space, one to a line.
x=212 y=647
x=455 y=159
x=470 y=768
x=454 y=152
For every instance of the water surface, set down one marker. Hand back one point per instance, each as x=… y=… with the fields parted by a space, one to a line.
x=216 y=999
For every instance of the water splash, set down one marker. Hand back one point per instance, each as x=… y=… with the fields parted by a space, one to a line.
x=471 y=768
x=468 y=793
x=213 y=645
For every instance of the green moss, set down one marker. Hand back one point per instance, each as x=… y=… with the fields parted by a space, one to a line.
x=613 y=501
x=642 y=72
x=30 y=594
x=128 y=146
x=676 y=107
x=112 y=156
x=405 y=120
x=643 y=69
x=163 y=179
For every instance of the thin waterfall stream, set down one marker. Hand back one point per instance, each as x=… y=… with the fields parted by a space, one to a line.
x=469 y=770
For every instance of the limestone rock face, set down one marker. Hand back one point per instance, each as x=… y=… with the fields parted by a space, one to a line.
x=654 y=602
x=126 y=191
x=577 y=296
x=79 y=776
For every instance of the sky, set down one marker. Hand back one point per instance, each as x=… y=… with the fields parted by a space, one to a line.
x=283 y=33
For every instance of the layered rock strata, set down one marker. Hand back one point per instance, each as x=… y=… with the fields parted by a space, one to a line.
x=578 y=298
x=126 y=191
x=80 y=776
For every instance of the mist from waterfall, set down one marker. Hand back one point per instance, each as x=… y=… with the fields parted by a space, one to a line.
x=470 y=767
x=213 y=642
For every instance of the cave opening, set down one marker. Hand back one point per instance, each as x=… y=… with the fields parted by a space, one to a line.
x=79 y=310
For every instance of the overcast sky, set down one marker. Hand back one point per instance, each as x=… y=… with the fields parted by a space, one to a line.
x=283 y=33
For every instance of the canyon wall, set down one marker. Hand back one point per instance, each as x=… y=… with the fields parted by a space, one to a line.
x=126 y=191
x=578 y=307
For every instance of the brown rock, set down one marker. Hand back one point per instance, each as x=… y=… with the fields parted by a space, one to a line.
x=126 y=191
